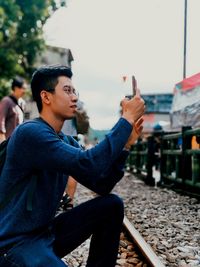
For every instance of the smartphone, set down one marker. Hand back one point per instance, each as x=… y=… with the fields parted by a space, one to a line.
x=134 y=87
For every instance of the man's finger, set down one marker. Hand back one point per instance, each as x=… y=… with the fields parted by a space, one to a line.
x=139 y=121
x=138 y=130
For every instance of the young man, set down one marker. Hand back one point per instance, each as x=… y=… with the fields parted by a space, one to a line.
x=11 y=112
x=30 y=234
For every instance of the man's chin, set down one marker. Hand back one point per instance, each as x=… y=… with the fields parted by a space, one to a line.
x=70 y=117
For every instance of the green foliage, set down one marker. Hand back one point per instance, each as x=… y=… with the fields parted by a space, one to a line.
x=21 y=38
x=4 y=88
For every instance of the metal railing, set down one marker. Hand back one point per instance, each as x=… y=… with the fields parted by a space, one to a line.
x=137 y=161
x=179 y=160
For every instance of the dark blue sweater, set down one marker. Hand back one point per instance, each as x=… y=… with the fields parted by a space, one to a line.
x=35 y=147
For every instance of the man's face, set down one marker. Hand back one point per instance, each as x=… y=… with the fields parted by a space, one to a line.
x=64 y=99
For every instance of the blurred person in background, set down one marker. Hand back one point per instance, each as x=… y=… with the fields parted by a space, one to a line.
x=12 y=108
x=153 y=153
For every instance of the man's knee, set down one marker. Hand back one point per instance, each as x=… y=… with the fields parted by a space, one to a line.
x=116 y=204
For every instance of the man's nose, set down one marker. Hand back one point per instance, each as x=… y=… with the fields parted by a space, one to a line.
x=74 y=98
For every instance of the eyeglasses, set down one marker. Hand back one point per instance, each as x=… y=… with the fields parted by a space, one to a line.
x=70 y=90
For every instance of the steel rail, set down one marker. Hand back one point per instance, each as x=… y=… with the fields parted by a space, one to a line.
x=145 y=249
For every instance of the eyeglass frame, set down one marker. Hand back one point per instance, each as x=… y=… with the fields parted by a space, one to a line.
x=70 y=91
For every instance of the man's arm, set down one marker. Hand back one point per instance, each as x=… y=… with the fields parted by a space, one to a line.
x=136 y=132
x=87 y=167
x=71 y=188
x=116 y=171
x=2 y=137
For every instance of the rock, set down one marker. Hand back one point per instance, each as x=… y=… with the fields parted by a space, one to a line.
x=123 y=255
x=121 y=261
x=123 y=243
x=133 y=260
x=130 y=247
x=139 y=264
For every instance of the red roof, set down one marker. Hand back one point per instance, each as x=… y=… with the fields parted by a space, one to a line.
x=189 y=83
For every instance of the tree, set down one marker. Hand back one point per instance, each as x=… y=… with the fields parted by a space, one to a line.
x=21 y=38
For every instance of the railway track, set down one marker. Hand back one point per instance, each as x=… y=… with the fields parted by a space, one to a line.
x=147 y=256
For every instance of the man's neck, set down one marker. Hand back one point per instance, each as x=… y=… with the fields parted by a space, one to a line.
x=53 y=122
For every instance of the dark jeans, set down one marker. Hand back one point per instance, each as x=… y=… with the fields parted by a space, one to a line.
x=101 y=217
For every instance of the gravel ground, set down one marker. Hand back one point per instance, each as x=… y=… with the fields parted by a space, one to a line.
x=169 y=222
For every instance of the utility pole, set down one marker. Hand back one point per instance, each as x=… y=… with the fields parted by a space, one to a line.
x=185 y=40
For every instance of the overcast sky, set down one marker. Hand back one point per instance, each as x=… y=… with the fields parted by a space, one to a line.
x=110 y=39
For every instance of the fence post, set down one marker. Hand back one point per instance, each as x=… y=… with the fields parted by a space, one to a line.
x=138 y=156
x=195 y=169
x=186 y=160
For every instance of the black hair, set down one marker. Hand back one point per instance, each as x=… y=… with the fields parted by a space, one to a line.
x=17 y=82
x=46 y=78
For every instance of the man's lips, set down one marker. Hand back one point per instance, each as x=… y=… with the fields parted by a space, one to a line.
x=73 y=106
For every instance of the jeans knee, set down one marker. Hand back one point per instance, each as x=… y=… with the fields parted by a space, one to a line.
x=117 y=204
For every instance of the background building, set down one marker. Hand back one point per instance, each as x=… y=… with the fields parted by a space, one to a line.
x=158 y=108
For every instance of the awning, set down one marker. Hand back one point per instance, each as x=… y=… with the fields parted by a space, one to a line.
x=188 y=83
x=185 y=109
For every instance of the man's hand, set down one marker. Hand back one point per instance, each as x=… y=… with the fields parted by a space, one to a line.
x=136 y=132
x=133 y=109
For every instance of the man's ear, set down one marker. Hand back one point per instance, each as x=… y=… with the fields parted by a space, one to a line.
x=45 y=96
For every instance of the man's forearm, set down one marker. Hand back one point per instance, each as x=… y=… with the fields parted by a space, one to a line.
x=71 y=187
x=2 y=137
x=111 y=176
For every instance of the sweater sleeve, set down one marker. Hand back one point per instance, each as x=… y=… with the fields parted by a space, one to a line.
x=4 y=106
x=111 y=176
x=98 y=168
